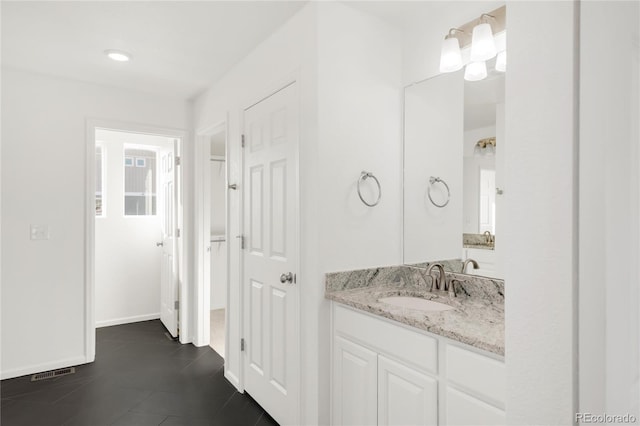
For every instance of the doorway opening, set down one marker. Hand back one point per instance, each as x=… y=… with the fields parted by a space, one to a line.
x=134 y=216
x=217 y=248
x=212 y=239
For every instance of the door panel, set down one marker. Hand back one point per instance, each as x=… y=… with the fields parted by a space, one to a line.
x=256 y=332
x=354 y=393
x=405 y=397
x=278 y=225
x=168 y=269
x=270 y=206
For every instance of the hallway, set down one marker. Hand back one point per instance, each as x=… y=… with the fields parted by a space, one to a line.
x=140 y=377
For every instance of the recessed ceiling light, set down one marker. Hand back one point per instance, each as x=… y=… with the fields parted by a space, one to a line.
x=118 y=55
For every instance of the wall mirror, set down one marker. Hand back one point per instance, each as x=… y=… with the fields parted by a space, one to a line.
x=454 y=173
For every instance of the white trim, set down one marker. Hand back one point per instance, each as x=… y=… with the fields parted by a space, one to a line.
x=232 y=378
x=91 y=125
x=46 y=366
x=202 y=207
x=127 y=320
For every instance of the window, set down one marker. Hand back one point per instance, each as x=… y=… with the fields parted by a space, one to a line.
x=140 y=182
x=128 y=161
x=100 y=206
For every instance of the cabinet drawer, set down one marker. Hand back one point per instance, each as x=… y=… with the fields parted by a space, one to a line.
x=476 y=373
x=412 y=348
x=463 y=409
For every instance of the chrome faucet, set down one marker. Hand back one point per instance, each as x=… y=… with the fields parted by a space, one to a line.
x=488 y=237
x=467 y=262
x=435 y=282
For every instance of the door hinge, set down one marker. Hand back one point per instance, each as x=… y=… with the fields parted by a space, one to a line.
x=176 y=305
x=177 y=160
x=178 y=233
x=295 y=278
x=241 y=237
x=242 y=138
x=242 y=345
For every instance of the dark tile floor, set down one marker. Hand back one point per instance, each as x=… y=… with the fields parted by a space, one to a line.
x=139 y=378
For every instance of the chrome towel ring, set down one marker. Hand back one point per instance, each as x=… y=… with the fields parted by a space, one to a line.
x=364 y=176
x=433 y=180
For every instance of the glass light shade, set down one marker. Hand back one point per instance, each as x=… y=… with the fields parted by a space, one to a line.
x=475 y=71
x=483 y=46
x=450 y=57
x=478 y=151
x=501 y=61
x=490 y=149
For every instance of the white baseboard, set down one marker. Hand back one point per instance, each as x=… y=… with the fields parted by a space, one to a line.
x=232 y=379
x=39 y=368
x=127 y=320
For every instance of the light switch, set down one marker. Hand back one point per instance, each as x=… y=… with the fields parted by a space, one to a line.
x=39 y=232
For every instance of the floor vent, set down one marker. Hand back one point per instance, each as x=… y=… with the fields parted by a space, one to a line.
x=52 y=374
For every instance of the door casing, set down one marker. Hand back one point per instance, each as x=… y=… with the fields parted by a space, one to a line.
x=89 y=253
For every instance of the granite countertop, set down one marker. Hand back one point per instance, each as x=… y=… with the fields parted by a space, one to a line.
x=477 y=320
x=478 y=241
x=478 y=246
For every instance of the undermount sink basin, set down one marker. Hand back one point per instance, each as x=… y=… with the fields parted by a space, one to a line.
x=415 y=303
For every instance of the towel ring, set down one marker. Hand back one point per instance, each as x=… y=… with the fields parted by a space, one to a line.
x=364 y=176
x=433 y=180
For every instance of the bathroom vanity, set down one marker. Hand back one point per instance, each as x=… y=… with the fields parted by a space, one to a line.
x=396 y=362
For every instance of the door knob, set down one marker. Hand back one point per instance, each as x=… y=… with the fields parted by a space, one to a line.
x=232 y=186
x=286 y=278
x=160 y=244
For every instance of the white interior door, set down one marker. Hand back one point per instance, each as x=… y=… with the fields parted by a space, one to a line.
x=270 y=257
x=168 y=266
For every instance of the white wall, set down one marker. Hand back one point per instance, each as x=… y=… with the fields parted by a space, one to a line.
x=540 y=238
x=609 y=208
x=348 y=66
x=127 y=268
x=359 y=128
x=434 y=118
x=43 y=182
x=471 y=180
x=288 y=53
x=540 y=189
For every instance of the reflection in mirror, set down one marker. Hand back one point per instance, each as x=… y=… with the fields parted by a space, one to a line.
x=454 y=130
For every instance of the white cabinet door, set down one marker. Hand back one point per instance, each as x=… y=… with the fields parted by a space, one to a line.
x=353 y=384
x=463 y=409
x=405 y=397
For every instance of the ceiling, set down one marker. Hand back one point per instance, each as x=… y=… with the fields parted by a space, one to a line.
x=179 y=47
x=419 y=14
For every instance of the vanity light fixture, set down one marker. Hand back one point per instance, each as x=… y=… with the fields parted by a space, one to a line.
x=475 y=71
x=483 y=46
x=450 y=56
x=475 y=43
x=486 y=146
x=501 y=61
x=118 y=55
